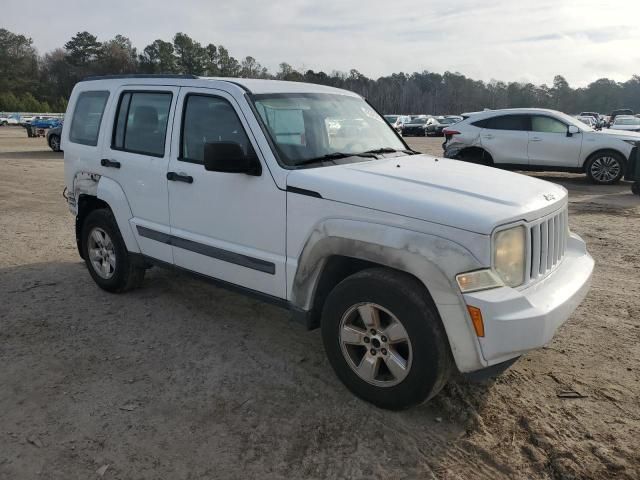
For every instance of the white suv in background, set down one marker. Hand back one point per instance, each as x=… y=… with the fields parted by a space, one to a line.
x=538 y=139
x=410 y=264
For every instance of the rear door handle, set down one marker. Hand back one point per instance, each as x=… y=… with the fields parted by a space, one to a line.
x=536 y=139
x=176 y=177
x=488 y=137
x=105 y=162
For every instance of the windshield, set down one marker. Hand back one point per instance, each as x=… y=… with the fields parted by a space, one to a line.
x=627 y=121
x=307 y=126
x=448 y=121
x=419 y=120
x=391 y=118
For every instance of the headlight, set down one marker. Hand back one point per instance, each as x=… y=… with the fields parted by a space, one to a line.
x=509 y=255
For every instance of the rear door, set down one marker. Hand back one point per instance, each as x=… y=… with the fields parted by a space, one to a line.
x=136 y=155
x=506 y=138
x=549 y=144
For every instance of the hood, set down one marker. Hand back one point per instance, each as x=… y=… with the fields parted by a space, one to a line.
x=621 y=134
x=448 y=192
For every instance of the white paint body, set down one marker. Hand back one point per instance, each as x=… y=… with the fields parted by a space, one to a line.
x=433 y=218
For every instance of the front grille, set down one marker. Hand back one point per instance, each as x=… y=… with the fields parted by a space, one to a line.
x=548 y=243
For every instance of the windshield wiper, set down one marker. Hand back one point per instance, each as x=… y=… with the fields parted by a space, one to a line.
x=335 y=156
x=391 y=150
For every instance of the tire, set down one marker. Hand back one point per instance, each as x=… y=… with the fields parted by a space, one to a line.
x=119 y=272
x=605 y=168
x=54 y=143
x=398 y=299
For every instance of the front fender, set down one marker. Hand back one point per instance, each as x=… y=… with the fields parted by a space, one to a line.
x=434 y=260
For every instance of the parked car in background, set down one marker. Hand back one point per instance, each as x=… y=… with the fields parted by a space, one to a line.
x=598 y=120
x=627 y=123
x=14 y=119
x=538 y=139
x=397 y=121
x=413 y=267
x=44 y=122
x=615 y=113
x=435 y=125
x=588 y=120
x=53 y=138
x=416 y=127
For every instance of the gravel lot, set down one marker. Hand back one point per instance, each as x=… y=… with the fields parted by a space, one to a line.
x=181 y=380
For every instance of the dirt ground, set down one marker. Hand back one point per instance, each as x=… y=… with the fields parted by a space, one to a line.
x=181 y=380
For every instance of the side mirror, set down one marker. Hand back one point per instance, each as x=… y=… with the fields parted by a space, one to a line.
x=228 y=157
x=572 y=130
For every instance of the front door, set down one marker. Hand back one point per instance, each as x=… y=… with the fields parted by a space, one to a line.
x=549 y=144
x=230 y=226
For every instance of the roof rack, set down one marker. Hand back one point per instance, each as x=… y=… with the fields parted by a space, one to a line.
x=140 y=75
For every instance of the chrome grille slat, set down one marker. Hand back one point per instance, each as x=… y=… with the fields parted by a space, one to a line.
x=547 y=244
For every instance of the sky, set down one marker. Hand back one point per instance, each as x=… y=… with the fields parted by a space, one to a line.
x=515 y=40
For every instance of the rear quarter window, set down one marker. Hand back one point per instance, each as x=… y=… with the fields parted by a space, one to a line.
x=87 y=117
x=505 y=122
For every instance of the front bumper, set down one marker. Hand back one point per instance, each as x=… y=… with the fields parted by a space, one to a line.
x=519 y=320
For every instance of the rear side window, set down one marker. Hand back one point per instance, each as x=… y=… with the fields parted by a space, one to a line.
x=543 y=124
x=209 y=119
x=87 y=118
x=508 y=122
x=141 y=122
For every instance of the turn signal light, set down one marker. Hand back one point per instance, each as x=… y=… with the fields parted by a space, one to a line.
x=476 y=319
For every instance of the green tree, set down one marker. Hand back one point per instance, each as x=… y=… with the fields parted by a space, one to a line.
x=83 y=49
x=18 y=63
x=159 y=57
x=191 y=56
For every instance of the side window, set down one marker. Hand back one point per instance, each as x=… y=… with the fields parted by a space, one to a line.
x=547 y=125
x=208 y=119
x=141 y=122
x=508 y=122
x=87 y=117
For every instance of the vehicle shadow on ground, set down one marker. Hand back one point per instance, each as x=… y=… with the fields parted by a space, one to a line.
x=192 y=359
x=33 y=155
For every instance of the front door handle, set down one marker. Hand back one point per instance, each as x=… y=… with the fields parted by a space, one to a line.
x=176 y=177
x=105 y=162
x=536 y=139
x=488 y=137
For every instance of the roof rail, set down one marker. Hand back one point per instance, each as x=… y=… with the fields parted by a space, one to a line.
x=140 y=75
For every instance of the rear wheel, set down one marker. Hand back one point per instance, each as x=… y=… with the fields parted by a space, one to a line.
x=106 y=255
x=605 y=168
x=384 y=339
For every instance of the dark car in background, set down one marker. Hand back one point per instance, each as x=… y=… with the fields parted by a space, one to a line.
x=435 y=125
x=620 y=111
x=53 y=138
x=416 y=127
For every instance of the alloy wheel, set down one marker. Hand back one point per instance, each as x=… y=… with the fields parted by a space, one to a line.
x=605 y=169
x=102 y=253
x=375 y=345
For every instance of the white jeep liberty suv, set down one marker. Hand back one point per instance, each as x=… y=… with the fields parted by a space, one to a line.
x=305 y=196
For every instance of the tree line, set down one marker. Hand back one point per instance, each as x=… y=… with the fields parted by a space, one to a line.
x=33 y=82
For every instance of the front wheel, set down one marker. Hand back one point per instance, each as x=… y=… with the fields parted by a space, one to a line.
x=54 y=143
x=106 y=255
x=605 y=168
x=384 y=339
